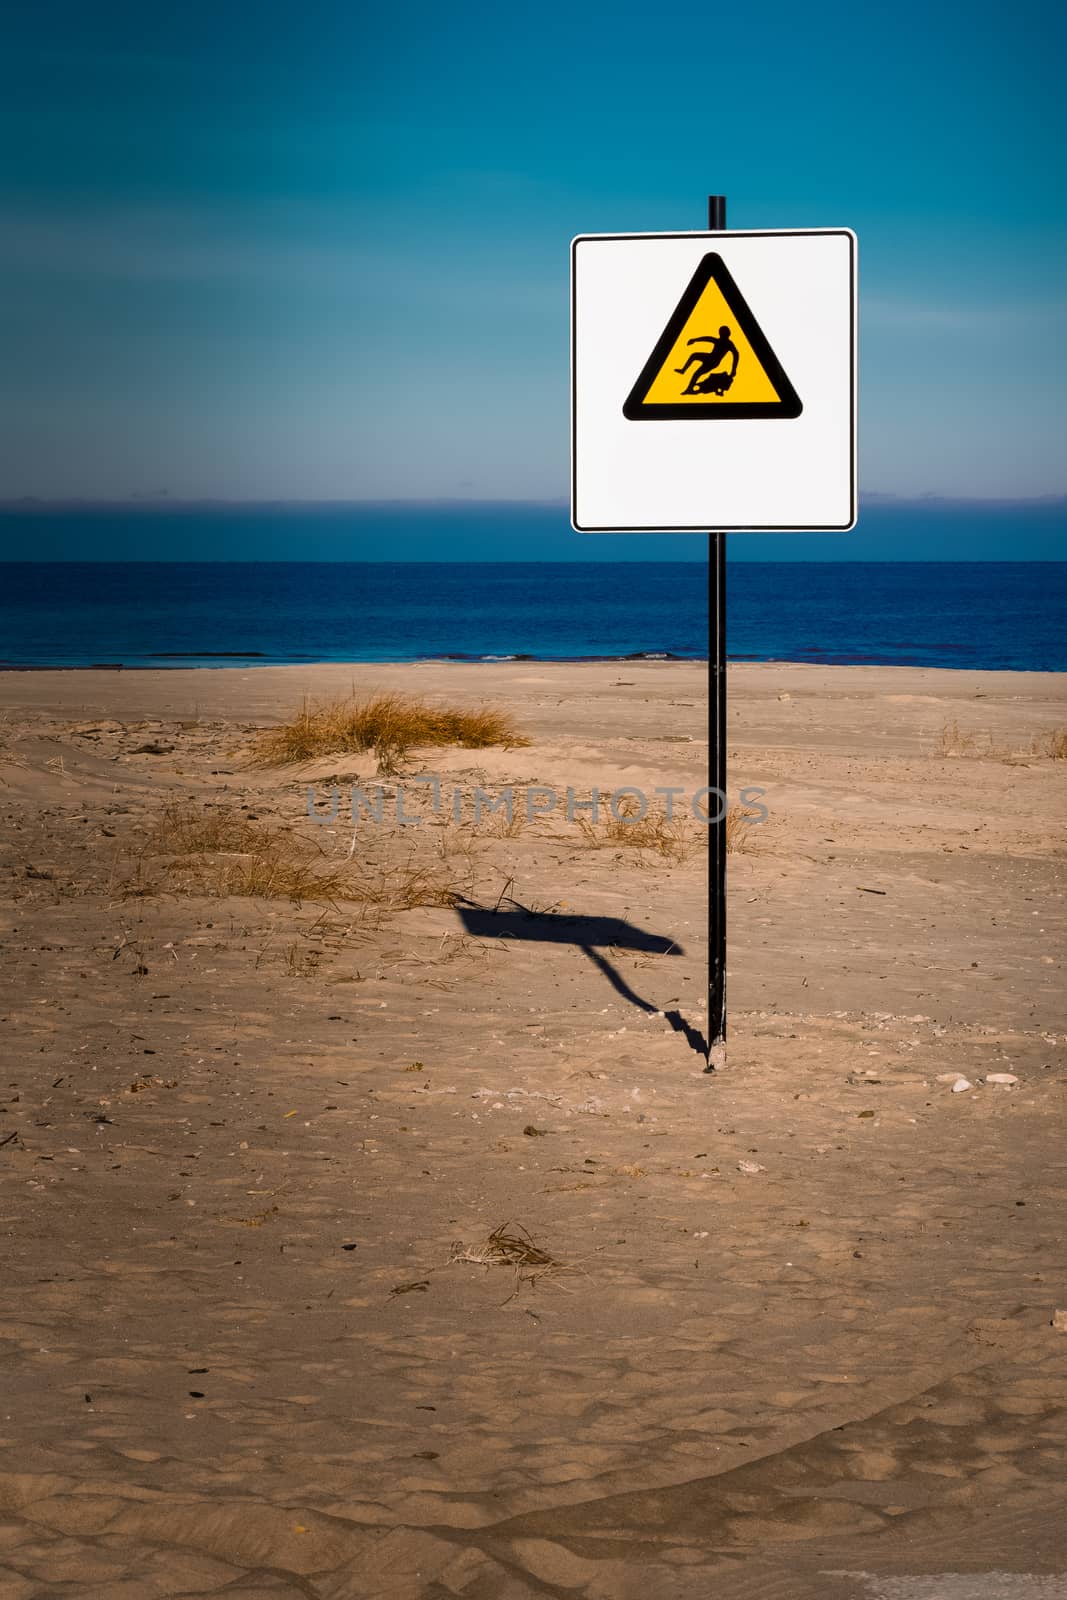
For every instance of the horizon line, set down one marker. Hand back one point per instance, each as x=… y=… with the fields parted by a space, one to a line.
x=512 y=561
x=166 y=502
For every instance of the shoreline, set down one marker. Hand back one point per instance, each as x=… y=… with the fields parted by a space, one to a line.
x=233 y=661
x=601 y=706
x=260 y=681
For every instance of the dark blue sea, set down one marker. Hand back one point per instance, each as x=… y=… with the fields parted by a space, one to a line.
x=211 y=612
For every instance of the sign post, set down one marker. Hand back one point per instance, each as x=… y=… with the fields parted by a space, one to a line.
x=755 y=329
x=716 y=1012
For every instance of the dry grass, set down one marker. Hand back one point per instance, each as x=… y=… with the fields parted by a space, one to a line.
x=301 y=963
x=1052 y=744
x=673 y=839
x=183 y=829
x=739 y=825
x=218 y=853
x=389 y=724
x=501 y=826
x=280 y=870
x=304 y=873
x=511 y=1245
x=407 y=885
x=7 y=755
x=956 y=743
x=669 y=838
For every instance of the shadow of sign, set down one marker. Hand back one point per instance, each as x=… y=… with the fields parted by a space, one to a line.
x=589 y=934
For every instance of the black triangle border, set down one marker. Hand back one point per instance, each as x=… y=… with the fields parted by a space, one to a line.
x=712 y=268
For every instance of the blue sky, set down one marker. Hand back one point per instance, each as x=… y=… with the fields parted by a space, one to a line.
x=321 y=250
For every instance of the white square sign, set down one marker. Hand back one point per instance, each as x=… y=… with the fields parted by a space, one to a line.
x=713 y=381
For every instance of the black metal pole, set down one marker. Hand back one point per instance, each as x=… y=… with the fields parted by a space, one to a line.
x=717 y=761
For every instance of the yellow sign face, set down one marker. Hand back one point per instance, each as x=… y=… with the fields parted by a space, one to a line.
x=712 y=360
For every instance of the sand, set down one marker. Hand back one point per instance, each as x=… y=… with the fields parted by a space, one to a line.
x=794 y=1340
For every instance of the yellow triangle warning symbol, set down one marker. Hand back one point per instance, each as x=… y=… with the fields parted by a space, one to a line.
x=712 y=360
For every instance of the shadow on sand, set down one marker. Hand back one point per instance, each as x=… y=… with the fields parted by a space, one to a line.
x=510 y=920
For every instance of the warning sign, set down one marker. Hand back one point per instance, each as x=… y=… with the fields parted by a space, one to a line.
x=755 y=328
x=712 y=361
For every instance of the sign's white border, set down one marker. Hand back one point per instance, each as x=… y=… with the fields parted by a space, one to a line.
x=727 y=234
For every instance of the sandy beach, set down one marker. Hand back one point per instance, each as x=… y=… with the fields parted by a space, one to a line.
x=396 y=1244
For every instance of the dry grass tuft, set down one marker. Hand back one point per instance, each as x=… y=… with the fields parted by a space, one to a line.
x=217 y=853
x=511 y=1245
x=184 y=829
x=7 y=755
x=301 y=963
x=739 y=826
x=280 y=870
x=673 y=839
x=669 y=838
x=389 y=724
x=1052 y=744
x=956 y=743
x=501 y=826
x=286 y=871
x=410 y=884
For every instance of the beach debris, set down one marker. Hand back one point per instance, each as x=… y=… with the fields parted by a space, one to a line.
x=750 y=1168
x=256 y=1221
x=863 y=889
x=534 y=1133
x=510 y=1245
x=1005 y=1080
x=961 y=1085
x=421 y=1284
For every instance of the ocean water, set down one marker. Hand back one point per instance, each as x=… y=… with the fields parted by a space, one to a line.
x=133 y=614
x=214 y=585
